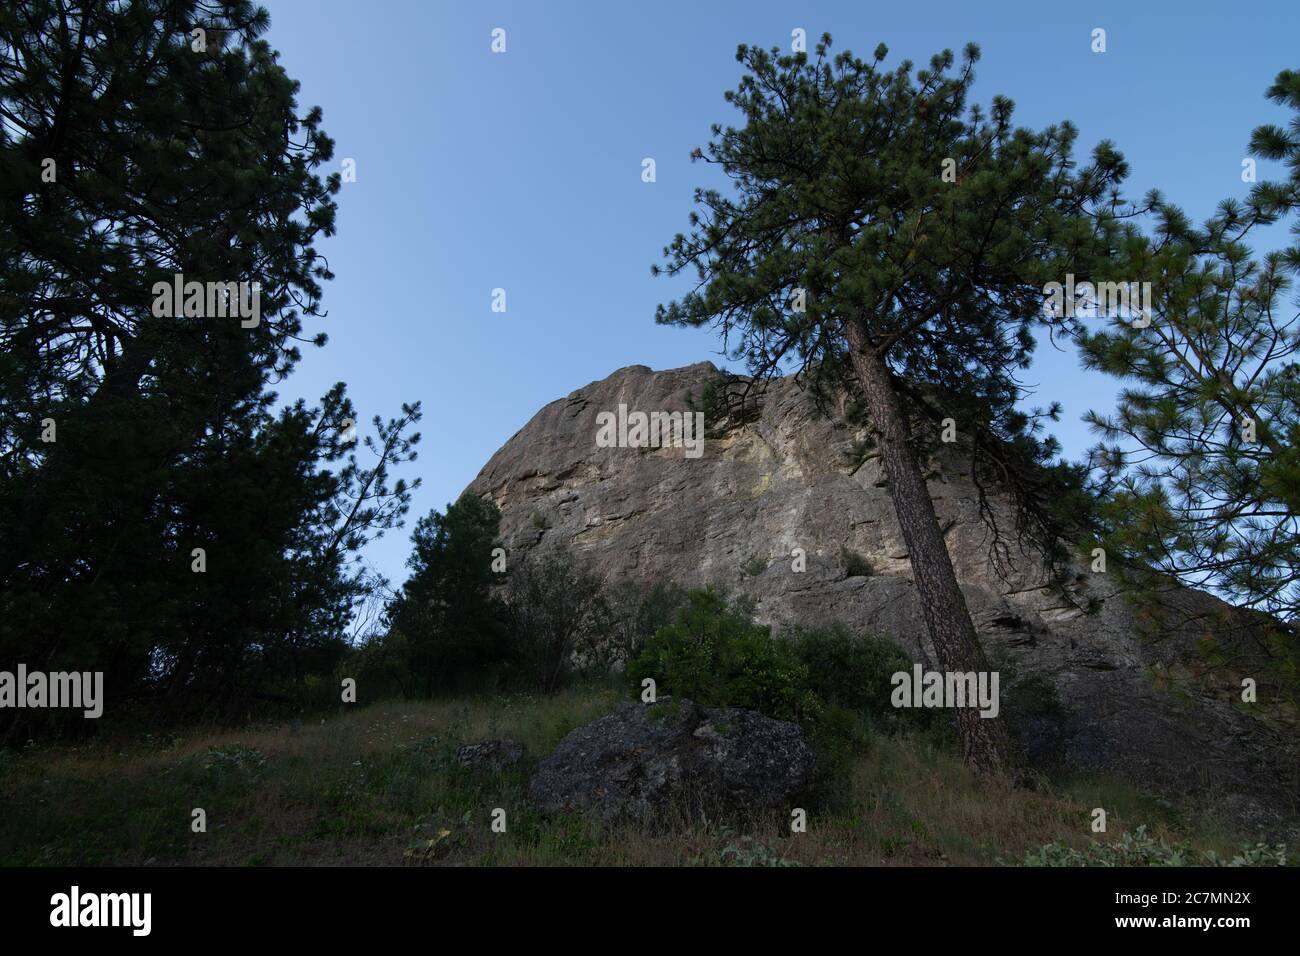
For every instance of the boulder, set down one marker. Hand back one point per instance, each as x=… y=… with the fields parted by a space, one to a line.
x=643 y=759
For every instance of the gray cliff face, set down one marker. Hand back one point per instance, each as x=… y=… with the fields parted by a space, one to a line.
x=1129 y=705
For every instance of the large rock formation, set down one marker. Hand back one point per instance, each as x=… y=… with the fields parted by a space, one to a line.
x=1134 y=701
x=646 y=760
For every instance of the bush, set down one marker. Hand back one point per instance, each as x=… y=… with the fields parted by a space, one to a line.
x=381 y=666
x=555 y=610
x=714 y=654
x=229 y=770
x=854 y=672
x=1138 y=848
x=852 y=677
x=837 y=736
x=855 y=565
x=835 y=683
x=1032 y=709
x=631 y=614
x=746 y=851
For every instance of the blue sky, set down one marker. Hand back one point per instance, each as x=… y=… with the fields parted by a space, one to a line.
x=522 y=171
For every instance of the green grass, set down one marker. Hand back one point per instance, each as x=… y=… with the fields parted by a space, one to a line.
x=379 y=785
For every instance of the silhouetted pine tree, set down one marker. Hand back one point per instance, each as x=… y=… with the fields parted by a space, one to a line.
x=447 y=615
x=140 y=141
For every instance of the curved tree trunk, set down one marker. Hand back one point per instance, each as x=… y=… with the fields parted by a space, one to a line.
x=946 y=616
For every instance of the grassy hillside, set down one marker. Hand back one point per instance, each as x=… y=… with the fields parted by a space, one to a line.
x=379 y=785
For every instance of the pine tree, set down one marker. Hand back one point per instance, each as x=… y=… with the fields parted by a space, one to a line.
x=447 y=613
x=159 y=520
x=881 y=232
x=1199 y=463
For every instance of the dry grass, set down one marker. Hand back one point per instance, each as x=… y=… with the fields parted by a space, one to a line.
x=374 y=785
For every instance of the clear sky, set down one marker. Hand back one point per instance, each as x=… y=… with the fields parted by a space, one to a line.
x=522 y=171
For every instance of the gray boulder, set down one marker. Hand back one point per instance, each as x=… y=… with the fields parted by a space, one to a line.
x=645 y=759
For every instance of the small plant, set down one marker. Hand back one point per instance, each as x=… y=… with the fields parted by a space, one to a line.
x=855 y=565
x=753 y=567
x=431 y=843
x=234 y=768
x=235 y=760
x=538 y=521
x=747 y=851
x=1251 y=854
x=1138 y=848
x=859 y=452
x=1032 y=696
x=834 y=684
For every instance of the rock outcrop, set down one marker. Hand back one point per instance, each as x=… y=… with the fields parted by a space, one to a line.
x=646 y=760
x=1128 y=701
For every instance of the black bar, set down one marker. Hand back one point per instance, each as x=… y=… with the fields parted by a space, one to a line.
x=447 y=904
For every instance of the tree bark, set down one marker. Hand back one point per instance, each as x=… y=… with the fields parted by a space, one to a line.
x=947 y=618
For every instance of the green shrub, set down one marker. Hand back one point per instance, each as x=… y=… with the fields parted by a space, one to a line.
x=851 y=676
x=855 y=565
x=381 y=666
x=1032 y=710
x=837 y=736
x=714 y=654
x=746 y=851
x=235 y=760
x=631 y=613
x=1034 y=695
x=556 y=614
x=836 y=686
x=1138 y=848
x=853 y=672
x=227 y=770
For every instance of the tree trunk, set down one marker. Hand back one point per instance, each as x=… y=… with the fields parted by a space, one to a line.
x=946 y=616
